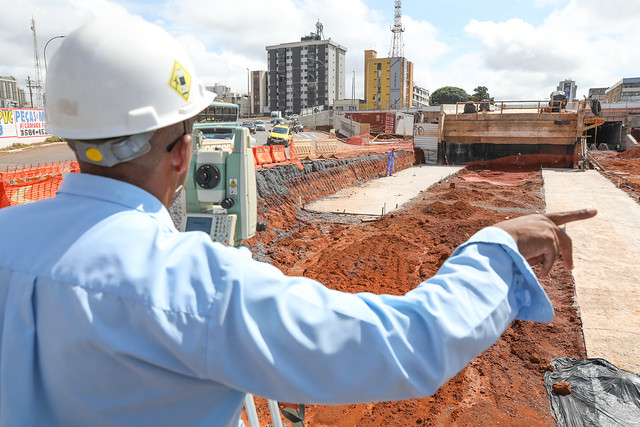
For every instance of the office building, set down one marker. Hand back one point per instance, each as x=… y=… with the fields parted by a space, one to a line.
x=597 y=93
x=420 y=96
x=626 y=90
x=305 y=74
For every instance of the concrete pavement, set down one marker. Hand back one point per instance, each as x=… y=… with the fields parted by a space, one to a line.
x=607 y=262
x=383 y=195
x=606 y=248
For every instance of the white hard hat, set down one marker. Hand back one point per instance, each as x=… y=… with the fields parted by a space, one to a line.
x=115 y=77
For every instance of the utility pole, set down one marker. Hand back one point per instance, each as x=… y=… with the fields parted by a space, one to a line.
x=29 y=85
x=353 y=97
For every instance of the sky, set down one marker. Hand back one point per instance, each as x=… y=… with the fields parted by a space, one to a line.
x=519 y=49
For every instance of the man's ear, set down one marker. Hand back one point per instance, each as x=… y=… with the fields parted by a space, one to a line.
x=181 y=154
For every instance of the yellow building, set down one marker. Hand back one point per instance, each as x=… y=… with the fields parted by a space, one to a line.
x=388 y=82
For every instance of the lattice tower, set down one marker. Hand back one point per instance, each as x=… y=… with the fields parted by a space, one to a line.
x=36 y=58
x=397 y=45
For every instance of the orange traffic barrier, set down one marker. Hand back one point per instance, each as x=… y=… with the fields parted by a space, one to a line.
x=263 y=155
x=293 y=156
x=255 y=161
x=24 y=185
x=278 y=154
x=301 y=148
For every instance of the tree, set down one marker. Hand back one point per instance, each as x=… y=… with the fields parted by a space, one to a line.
x=481 y=93
x=448 y=95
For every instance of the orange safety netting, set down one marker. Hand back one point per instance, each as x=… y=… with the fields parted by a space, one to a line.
x=22 y=184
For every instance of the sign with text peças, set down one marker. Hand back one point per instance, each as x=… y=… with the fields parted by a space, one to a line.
x=22 y=123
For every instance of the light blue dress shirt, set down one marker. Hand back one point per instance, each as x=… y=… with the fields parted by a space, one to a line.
x=110 y=316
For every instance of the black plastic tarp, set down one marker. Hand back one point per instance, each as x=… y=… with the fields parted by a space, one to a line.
x=601 y=394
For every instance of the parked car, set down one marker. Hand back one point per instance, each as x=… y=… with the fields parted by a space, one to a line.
x=249 y=125
x=280 y=135
x=260 y=125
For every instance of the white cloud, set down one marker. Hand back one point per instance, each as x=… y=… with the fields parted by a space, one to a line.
x=596 y=43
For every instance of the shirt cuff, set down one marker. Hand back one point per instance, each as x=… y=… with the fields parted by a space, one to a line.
x=525 y=292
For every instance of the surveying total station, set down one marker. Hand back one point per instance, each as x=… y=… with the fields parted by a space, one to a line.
x=220 y=191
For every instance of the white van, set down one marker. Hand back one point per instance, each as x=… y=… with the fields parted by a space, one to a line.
x=275 y=115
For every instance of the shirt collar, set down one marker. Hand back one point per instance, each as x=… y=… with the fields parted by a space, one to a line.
x=115 y=191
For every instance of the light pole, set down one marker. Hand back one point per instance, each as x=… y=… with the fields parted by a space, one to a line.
x=45 y=49
x=353 y=97
x=249 y=91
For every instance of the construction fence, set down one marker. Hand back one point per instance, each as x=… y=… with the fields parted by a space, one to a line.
x=24 y=184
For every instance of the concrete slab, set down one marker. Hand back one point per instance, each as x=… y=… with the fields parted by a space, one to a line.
x=606 y=258
x=383 y=195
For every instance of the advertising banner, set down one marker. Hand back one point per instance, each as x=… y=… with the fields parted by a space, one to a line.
x=22 y=125
x=567 y=91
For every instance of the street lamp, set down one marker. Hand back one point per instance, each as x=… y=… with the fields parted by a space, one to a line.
x=353 y=97
x=45 y=49
x=249 y=91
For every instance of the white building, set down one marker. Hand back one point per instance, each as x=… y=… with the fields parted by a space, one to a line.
x=420 y=96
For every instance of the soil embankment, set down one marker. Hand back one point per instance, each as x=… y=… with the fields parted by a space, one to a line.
x=504 y=385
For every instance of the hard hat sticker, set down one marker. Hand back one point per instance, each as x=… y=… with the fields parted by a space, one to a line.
x=180 y=80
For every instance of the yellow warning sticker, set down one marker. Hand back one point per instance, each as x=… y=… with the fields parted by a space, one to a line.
x=180 y=80
x=233 y=187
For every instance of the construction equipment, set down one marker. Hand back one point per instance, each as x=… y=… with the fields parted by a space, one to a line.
x=220 y=190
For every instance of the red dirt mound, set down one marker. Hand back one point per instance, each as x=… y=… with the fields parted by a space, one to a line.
x=504 y=385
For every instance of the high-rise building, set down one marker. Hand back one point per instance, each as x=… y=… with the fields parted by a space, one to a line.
x=569 y=88
x=388 y=82
x=259 y=93
x=306 y=74
x=11 y=95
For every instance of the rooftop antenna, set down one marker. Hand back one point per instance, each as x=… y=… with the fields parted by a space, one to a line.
x=37 y=85
x=397 y=45
x=319 y=30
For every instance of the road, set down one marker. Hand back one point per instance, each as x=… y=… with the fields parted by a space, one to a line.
x=59 y=152
x=56 y=152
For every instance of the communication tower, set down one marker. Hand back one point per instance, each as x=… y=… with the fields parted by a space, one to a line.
x=319 y=30
x=397 y=45
x=37 y=85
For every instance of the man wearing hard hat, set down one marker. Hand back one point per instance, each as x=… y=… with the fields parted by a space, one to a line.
x=110 y=317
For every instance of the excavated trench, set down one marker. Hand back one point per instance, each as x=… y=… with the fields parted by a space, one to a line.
x=505 y=384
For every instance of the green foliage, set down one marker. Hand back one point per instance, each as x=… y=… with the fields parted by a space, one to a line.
x=481 y=93
x=448 y=95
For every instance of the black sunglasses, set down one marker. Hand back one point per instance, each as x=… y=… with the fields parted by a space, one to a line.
x=173 y=144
